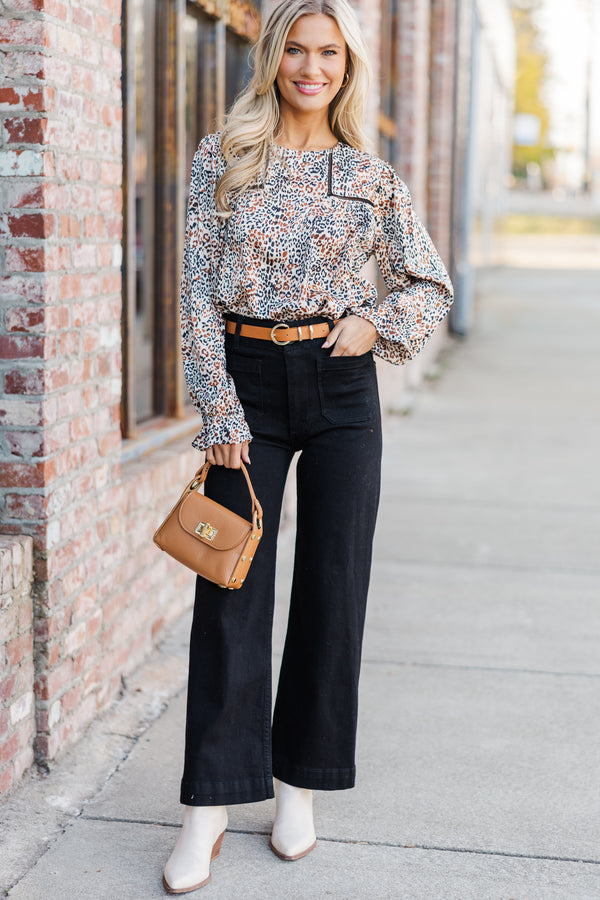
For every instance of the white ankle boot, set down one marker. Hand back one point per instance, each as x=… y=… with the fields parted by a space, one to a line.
x=293 y=829
x=188 y=867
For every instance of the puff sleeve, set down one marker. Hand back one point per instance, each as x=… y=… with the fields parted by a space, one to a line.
x=202 y=324
x=420 y=289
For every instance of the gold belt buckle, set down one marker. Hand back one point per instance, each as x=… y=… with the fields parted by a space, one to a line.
x=274 y=339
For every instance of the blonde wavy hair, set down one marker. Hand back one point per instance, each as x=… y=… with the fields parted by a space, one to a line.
x=254 y=123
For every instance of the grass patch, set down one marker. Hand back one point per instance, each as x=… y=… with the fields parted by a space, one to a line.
x=521 y=223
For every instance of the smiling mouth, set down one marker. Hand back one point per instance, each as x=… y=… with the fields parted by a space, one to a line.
x=309 y=87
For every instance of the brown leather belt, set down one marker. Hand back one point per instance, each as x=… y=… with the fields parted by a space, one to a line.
x=281 y=333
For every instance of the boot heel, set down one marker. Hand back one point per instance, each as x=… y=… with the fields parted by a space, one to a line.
x=217 y=846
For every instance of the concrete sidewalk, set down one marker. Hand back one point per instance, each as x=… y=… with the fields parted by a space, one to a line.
x=478 y=752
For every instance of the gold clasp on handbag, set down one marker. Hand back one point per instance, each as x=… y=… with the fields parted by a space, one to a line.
x=206 y=530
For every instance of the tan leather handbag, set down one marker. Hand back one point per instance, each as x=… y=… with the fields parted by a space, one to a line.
x=208 y=538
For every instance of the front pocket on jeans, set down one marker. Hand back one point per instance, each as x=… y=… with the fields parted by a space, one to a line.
x=247 y=377
x=348 y=388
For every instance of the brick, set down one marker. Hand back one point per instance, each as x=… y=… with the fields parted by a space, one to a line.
x=28 y=288
x=15 y=31
x=21 y=708
x=83 y=18
x=24 y=506
x=20 y=413
x=50 y=683
x=25 y=131
x=94 y=226
x=71 y=699
x=94 y=624
x=21 y=63
x=26 y=319
x=57 y=196
x=69 y=105
x=8 y=624
x=89 y=170
x=21 y=162
x=75 y=639
x=33 y=225
x=13 y=475
x=69 y=226
x=8 y=749
x=26 y=614
x=25 y=259
x=4 y=722
x=25 y=677
x=85 y=256
x=18 y=648
x=24 y=759
x=7 y=686
x=110 y=173
x=25 y=443
x=52 y=716
x=21 y=347
x=24 y=381
x=83 y=79
x=26 y=98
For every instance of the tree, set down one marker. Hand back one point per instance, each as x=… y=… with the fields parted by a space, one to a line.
x=532 y=71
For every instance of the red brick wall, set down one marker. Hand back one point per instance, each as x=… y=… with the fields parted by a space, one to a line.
x=17 y=704
x=102 y=592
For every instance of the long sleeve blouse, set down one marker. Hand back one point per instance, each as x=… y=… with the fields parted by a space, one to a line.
x=293 y=249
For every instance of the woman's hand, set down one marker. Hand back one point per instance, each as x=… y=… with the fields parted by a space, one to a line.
x=228 y=455
x=352 y=336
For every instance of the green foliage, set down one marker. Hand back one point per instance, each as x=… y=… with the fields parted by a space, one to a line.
x=532 y=70
x=535 y=223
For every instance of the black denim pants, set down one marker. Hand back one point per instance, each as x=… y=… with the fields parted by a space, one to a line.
x=296 y=398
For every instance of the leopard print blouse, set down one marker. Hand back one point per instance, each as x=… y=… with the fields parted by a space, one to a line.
x=294 y=248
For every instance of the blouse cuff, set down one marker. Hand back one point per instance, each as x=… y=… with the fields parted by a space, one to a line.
x=396 y=351
x=221 y=432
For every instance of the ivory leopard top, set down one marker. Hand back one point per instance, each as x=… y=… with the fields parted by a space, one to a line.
x=293 y=249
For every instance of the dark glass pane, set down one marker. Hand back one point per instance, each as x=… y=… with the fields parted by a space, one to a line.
x=237 y=73
x=388 y=73
x=143 y=336
x=200 y=81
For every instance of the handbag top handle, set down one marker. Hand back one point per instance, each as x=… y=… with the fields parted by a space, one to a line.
x=200 y=477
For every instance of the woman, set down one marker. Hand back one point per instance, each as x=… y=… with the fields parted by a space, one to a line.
x=279 y=328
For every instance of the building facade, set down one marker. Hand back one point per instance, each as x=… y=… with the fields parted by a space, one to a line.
x=102 y=105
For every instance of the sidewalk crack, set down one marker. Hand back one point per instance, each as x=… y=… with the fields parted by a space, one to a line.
x=509 y=670
x=437 y=848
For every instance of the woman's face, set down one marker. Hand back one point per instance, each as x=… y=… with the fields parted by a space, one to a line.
x=313 y=64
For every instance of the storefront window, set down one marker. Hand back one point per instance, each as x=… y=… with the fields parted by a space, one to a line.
x=237 y=70
x=388 y=69
x=200 y=80
x=183 y=64
x=142 y=185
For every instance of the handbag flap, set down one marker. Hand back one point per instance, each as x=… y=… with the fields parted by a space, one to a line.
x=211 y=523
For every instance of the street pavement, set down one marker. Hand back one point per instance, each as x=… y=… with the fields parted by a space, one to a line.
x=479 y=737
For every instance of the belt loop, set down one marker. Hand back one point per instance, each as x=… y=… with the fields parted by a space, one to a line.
x=236 y=334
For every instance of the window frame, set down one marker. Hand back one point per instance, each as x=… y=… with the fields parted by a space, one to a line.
x=168 y=179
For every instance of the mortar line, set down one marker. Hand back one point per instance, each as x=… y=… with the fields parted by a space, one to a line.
x=399 y=846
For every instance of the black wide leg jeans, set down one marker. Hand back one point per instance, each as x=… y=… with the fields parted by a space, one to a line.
x=296 y=398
